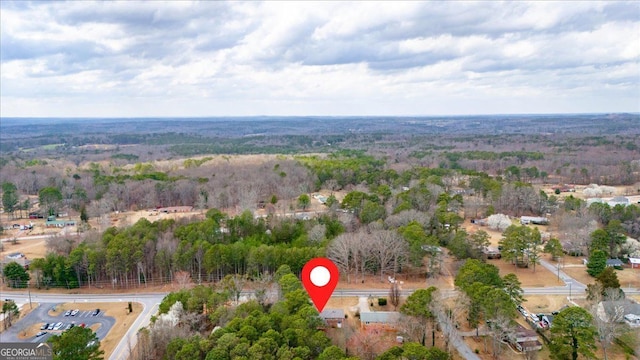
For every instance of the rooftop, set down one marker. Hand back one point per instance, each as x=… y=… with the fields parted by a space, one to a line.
x=332 y=314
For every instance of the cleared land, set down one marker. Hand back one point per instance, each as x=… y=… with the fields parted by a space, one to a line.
x=32 y=249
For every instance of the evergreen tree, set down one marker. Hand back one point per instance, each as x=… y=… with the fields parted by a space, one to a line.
x=9 y=197
x=16 y=275
x=77 y=343
x=573 y=333
x=597 y=263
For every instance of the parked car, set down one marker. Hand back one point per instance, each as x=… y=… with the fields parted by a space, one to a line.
x=44 y=326
x=50 y=327
x=75 y=312
x=58 y=326
x=67 y=313
x=41 y=333
x=69 y=326
x=96 y=312
x=82 y=325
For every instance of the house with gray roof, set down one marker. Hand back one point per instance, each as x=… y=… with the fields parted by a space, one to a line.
x=387 y=318
x=614 y=263
x=332 y=317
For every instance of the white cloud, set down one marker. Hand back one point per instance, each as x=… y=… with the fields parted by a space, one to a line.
x=317 y=58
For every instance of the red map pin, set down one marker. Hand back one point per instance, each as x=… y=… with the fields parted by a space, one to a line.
x=320 y=277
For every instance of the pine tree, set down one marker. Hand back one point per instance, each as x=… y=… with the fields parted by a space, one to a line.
x=597 y=263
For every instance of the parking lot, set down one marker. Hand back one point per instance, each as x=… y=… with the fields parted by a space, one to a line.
x=40 y=316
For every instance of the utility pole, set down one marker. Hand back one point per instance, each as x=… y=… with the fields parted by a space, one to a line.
x=30 y=305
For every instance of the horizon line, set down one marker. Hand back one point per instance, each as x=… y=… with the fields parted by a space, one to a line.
x=314 y=116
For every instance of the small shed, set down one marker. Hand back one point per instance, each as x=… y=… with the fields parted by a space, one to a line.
x=614 y=263
x=635 y=263
x=526 y=340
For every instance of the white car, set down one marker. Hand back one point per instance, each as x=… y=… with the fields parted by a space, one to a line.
x=58 y=326
x=75 y=312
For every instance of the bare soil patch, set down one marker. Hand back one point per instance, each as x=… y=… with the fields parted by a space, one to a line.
x=406 y=282
x=30 y=331
x=32 y=249
x=545 y=303
x=580 y=274
x=629 y=278
x=540 y=278
x=116 y=310
x=494 y=235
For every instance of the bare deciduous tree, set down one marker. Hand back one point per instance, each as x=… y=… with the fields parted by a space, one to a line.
x=499 y=222
x=389 y=250
x=317 y=233
x=608 y=316
x=340 y=251
x=182 y=279
x=394 y=295
x=447 y=317
x=501 y=328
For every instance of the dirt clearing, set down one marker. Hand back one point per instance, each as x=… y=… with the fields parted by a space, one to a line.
x=540 y=278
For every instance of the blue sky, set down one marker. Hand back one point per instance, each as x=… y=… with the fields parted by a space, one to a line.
x=128 y=59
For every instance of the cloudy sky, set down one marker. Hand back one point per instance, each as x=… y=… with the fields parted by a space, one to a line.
x=128 y=59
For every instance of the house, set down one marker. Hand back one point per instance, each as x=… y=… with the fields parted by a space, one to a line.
x=525 y=340
x=175 y=209
x=614 y=263
x=332 y=317
x=618 y=200
x=525 y=220
x=35 y=215
x=16 y=257
x=385 y=318
x=59 y=223
x=621 y=311
x=635 y=263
